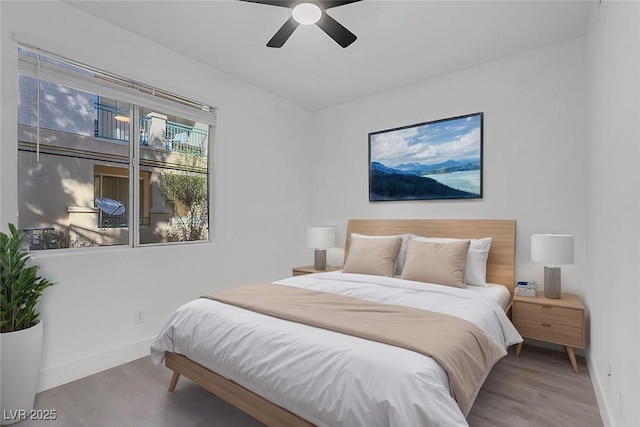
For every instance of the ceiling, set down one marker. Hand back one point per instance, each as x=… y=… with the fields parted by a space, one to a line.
x=399 y=42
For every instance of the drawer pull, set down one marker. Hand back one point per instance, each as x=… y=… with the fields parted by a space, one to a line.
x=546 y=325
x=546 y=306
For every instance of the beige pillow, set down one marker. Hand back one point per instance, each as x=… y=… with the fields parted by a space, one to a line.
x=403 y=248
x=475 y=271
x=440 y=263
x=373 y=256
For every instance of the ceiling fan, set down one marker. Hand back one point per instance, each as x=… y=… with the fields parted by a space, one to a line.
x=307 y=13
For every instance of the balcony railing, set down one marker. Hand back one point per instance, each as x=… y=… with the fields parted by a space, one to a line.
x=119 y=221
x=177 y=137
x=185 y=139
x=106 y=125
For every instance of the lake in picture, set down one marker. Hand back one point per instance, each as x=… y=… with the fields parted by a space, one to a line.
x=464 y=180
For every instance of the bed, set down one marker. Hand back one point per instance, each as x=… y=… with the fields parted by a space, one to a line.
x=286 y=373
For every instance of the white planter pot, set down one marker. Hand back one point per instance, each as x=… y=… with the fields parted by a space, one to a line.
x=20 y=363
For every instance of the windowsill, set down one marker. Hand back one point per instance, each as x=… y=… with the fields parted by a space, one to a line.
x=53 y=253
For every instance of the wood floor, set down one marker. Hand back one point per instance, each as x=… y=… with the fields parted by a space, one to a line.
x=537 y=389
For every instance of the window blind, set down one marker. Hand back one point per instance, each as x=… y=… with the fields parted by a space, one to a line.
x=57 y=69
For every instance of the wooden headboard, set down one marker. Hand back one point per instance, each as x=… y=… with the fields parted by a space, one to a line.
x=502 y=255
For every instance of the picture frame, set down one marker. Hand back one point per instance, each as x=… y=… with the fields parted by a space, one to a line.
x=435 y=160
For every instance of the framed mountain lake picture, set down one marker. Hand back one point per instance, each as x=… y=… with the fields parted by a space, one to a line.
x=441 y=159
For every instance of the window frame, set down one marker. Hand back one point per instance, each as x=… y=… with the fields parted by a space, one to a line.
x=138 y=96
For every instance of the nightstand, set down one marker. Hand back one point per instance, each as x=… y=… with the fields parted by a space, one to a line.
x=558 y=321
x=308 y=269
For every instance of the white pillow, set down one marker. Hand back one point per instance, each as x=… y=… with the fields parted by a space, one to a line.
x=475 y=271
x=403 y=248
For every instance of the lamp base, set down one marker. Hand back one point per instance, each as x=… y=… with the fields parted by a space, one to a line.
x=552 y=288
x=320 y=260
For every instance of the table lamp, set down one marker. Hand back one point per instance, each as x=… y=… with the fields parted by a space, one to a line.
x=552 y=250
x=321 y=239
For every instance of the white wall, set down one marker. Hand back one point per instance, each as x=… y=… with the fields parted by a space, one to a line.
x=534 y=150
x=261 y=203
x=613 y=274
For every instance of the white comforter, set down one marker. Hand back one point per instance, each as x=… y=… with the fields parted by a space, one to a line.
x=327 y=378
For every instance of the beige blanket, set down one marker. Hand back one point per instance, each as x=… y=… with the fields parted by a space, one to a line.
x=463 y=350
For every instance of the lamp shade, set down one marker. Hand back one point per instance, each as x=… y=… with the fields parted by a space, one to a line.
x=321 y=237
x=552 y=249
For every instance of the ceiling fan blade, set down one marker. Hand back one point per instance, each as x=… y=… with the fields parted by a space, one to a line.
x=327 y=4
x=283 y=33
x=282 y=3
x=336 y=31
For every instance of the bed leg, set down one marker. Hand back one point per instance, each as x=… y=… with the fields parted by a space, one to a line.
x=174 y=381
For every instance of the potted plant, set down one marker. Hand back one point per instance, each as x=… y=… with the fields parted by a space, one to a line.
x=20 y=328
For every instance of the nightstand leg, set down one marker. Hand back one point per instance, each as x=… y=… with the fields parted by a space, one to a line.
x=572 y=358
x=519 y=348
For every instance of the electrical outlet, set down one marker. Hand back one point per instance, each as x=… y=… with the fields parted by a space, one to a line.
x=138 y=316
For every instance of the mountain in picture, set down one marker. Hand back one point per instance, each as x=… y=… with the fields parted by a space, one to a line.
x=405 y=183
x=448 y=166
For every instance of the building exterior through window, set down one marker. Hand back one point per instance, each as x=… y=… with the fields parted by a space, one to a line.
x=75 y=163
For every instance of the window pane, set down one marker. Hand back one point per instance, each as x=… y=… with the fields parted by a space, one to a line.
x=73 y=186
x=174 y=187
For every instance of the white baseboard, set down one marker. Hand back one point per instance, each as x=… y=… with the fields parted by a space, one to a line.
x=603 y=405
x=71 y=371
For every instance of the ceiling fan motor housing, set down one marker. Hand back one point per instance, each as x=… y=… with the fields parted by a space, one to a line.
x=307 y=13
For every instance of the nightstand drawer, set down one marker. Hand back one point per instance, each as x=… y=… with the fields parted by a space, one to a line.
x=545 y=331
x=548 y=314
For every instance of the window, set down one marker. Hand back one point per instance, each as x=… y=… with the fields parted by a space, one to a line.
x=76 y=156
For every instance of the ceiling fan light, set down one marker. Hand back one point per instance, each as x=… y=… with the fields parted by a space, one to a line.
x=306 y=13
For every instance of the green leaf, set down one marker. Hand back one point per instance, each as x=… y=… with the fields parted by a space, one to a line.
x=20 y=285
